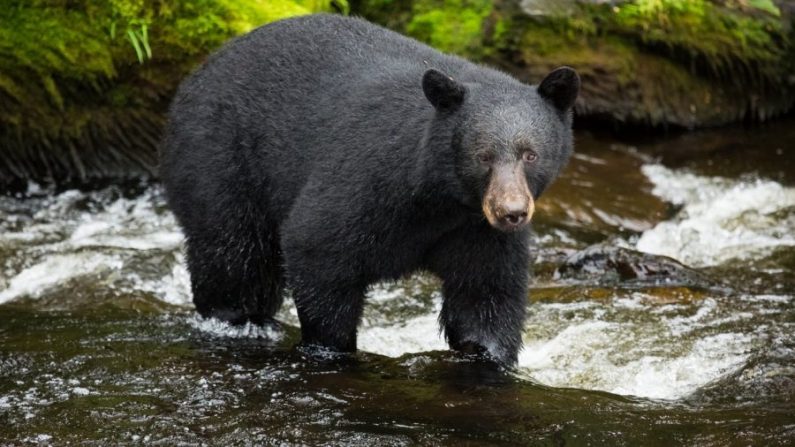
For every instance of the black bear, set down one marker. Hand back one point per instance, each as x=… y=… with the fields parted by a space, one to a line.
x=324 y=153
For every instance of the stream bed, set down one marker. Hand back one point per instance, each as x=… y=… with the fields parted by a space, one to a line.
x=661 y=312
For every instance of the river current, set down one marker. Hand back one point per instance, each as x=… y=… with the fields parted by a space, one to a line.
x=661 y=311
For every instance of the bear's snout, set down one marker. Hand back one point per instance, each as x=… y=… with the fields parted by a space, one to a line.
x=514 y=213
x=507 y=203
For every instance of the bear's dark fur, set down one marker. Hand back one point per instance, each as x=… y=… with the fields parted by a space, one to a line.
x=324 y=154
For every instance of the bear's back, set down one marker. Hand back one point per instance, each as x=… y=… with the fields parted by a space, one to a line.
x=320 y=90
x=326 y=55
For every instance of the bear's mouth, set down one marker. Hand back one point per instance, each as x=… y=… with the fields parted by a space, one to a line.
x=508 y=222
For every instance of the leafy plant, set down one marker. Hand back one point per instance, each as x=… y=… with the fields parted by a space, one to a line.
x=137 y=33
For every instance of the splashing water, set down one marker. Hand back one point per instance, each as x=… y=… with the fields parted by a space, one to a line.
x=627 y=344
x=721 y=219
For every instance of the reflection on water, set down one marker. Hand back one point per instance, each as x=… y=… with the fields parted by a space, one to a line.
x=98 y=340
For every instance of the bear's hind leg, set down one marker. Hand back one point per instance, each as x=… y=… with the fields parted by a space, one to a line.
x=235 y=276
x=329 y=313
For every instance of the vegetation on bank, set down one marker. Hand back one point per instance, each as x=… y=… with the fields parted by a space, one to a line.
x=84 y=84
x=687 y=63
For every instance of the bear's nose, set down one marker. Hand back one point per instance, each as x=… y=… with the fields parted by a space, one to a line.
x=515 y=218
x=514 y=215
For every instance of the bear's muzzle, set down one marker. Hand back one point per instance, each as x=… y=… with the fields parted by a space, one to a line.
x=507 y=203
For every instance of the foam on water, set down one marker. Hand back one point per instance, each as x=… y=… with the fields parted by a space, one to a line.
x=417 y=334
x=629 y=358
x=721 y=219
x=223 y=329
x=173 y=288
x=55 y=270
x=127 y=223
x=74 y=234
x=626 y=346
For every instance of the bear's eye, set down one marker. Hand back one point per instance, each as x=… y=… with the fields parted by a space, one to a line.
x=529 y=157
x=485 y=157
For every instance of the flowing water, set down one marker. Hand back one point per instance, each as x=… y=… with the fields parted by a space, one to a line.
x=661 y=313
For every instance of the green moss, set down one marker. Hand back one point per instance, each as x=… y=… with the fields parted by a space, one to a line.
x=454 y=26
x=84 y=83
x=682 y=62
x=720 y=36
x=723 y=38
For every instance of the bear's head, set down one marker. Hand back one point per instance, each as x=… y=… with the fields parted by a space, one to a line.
x=510 y=140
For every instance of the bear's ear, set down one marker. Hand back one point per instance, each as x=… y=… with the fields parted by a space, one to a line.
x=561 y=87
x=441 y=90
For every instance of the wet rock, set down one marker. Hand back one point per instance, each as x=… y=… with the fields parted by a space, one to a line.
x=768 y=376
x=605 y=264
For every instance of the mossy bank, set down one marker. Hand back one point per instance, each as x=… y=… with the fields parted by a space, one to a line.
x=653 y=63
x=84 y=85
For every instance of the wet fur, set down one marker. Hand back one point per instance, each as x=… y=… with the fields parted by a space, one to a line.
x=305 y=155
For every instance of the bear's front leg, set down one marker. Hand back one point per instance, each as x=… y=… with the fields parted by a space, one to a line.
x=485 y=276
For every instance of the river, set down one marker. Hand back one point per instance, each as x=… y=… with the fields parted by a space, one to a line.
x=661 y=313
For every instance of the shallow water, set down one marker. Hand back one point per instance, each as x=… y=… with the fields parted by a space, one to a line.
x=99 y=344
